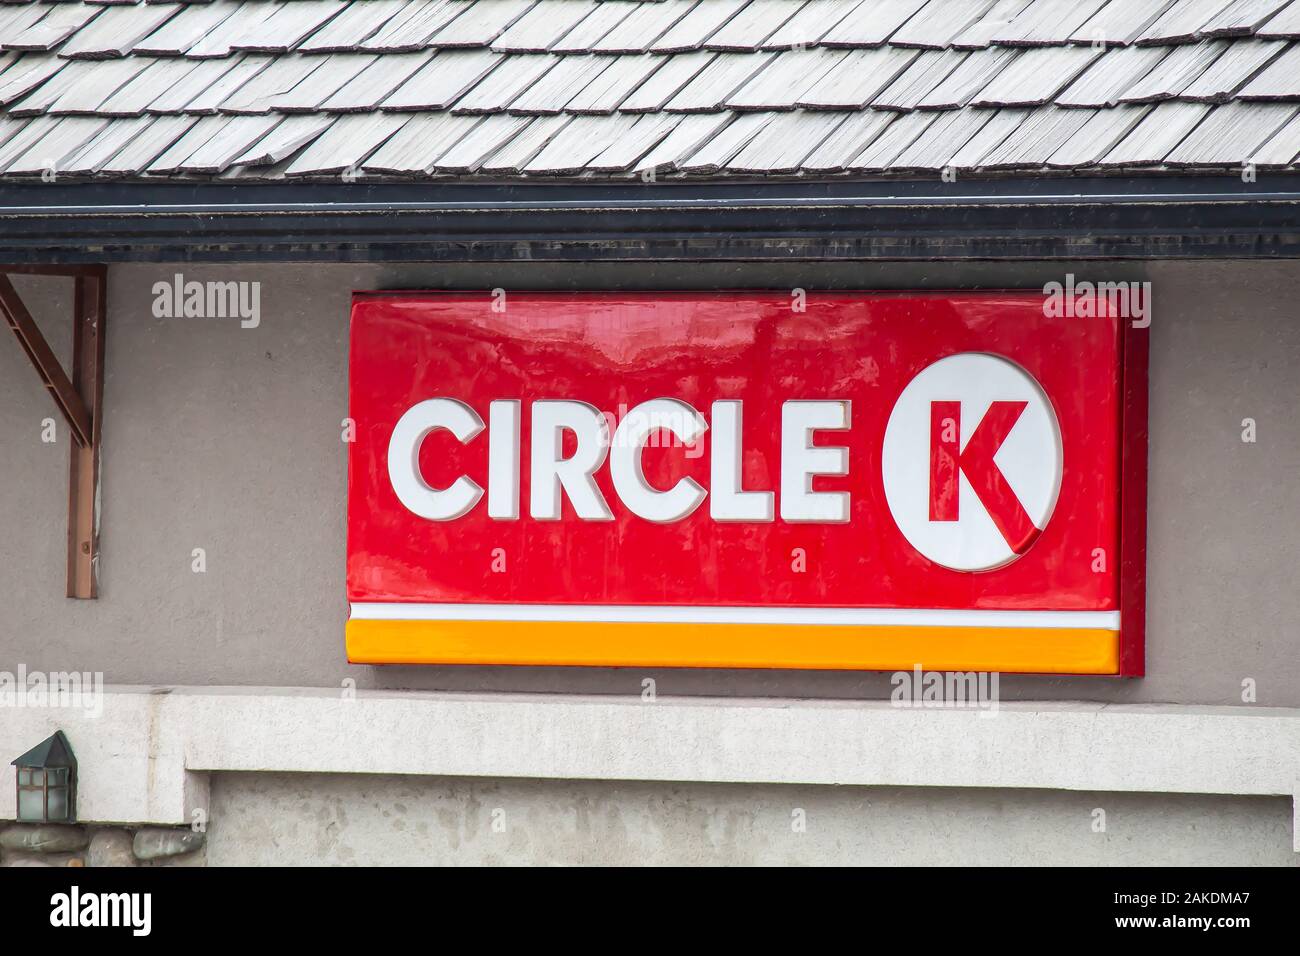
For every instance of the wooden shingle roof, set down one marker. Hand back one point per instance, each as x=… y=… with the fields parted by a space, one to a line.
x=541 y=89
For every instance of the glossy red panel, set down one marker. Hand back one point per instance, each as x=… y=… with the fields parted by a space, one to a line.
x=615 y=350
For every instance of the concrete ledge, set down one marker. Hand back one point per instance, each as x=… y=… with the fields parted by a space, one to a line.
x=145 y=758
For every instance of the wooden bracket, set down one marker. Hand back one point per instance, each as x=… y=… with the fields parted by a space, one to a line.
x=79 y=397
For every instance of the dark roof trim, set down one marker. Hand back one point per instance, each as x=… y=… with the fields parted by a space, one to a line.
x=1192 y=217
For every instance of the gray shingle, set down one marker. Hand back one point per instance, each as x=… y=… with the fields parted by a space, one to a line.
x=690 y=32
x=347 y=31
x=346 y=143
x=812 y=22
x=1111 y=76
x=1001 y=125
x=219 y=40
x=578 y=143
x=718 y=149
x=125 y=146
x=187 y=28
x=872 y=24
x=780 y=85
x=481 y=23
x=1152 y=139
x=288 y=26
x=753 y=24
x=25 y=74
x=1033 y=141
x=241 y=72
x=783 y=143
x=689 y=135
x=1035 y=76
x=56 y=24
x=1240 y=18
x=643 y=26
x=43 y=95
x=594 y=27
x=717 y=81
x=259 y=93
x=881 y=152
x=921 y=76
x=1046 y=22
x=1285 y=25
x=1282 y=148
x=285 y=140
x=997 y=18
x=22 y=134
x=606 y=92
x=411 y=27
x=1180 y=23
x=647 y=131
x=15 y=19
x=134 y=97
x=542 y=27
x=64 y=140
x=443 y=80
x=848 y=140
x=1097 y=137
x=1280 y=80
x=416 y=146
x=171 y=158
x=468 y=153
x=941 y=140
x=1121 y=23
x=117 y=29
x=1174 y=72
x=939 y=22
x=1233 y=69
x=971 y=76
x=858 y=78
x=517 y=150
x=378 y=81
x=1230 y=134
x=664 y=83
x=334 y=72
x=99 y=85
x=495 y=92
x=561 y=83
x=230 y=141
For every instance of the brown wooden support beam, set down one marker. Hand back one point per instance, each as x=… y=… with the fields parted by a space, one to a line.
x=47 y=366
x=79 y=397
x=89 y=313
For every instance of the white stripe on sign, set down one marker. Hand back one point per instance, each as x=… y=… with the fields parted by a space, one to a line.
x=676 y=614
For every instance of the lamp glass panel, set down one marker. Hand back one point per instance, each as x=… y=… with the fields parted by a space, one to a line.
x=31 y=805
x=58 y=803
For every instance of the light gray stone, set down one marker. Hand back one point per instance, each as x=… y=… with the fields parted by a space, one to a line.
x=111 y=847
x=43 y=838
x=156 y=843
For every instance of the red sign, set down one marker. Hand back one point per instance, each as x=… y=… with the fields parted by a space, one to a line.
x=737 y=479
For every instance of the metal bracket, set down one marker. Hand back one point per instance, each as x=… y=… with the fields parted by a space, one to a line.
x=79 y=397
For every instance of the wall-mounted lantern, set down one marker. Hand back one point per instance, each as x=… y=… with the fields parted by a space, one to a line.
x=47 y=782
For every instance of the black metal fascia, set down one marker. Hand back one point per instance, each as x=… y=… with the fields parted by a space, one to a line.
x=1061 y=218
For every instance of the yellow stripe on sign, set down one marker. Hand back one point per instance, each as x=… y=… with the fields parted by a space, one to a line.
x=1026 y=650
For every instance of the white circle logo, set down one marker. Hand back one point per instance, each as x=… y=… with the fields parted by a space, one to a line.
x=971 y=461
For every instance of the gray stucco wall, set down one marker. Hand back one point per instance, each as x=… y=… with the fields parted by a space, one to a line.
x=313 y=819
x=228 y=439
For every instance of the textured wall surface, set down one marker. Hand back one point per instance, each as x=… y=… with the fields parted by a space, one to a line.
x=310 y=819
x=228 y=439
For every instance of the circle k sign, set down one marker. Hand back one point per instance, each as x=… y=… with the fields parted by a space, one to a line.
x=684 y=479
x=971 y=461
